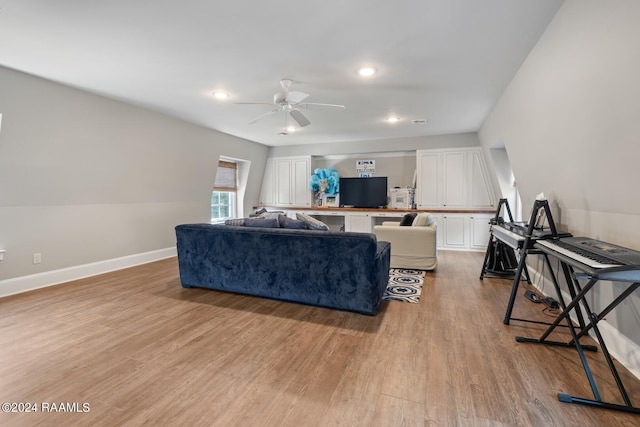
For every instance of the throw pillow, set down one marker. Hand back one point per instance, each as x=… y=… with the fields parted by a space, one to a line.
x=408 y=219
x=257 y=213
x=312 y=223
x=423 y=219
x=235 y=221
x=270 y=215
x=286 y=222
x=262 y=222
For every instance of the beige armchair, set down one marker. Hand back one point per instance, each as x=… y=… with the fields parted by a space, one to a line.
x=412 y=247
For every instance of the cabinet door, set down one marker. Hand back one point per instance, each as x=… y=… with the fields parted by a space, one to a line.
x=300 y=188
x=480 y=189
x=479 y=231
x=357 y=222
x=455 y=179
x=428 y=191
x=454 y=232
x=283 y=182
x=268 y=192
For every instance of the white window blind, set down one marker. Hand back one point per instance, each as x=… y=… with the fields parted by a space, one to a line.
x=226 y=176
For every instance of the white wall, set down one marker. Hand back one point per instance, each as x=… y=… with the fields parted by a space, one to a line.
x=570 y=122
x=379 y=145
x=85 y=179
x=395 y=158
x=570 y=117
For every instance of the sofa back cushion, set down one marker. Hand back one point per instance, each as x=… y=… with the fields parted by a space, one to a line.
x=262 y=222
x=423 y=219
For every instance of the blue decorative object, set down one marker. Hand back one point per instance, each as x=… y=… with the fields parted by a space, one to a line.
x=325 y=181
x=340 y=270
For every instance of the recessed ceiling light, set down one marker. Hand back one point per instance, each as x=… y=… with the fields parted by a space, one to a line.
x=220 y=95
x=366 y=71
x=291 y=129
x=393 y=119
x=419 y=121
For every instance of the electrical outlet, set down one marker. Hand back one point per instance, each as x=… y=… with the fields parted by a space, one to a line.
x=37 y=258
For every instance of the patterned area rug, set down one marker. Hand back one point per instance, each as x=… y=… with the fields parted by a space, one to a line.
x=404 y=285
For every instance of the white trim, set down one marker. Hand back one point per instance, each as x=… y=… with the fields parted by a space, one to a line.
x=367 y=155
x=621 y=348
x=55 y=277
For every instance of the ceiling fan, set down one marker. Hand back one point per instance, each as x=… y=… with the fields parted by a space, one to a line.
x=291 y=103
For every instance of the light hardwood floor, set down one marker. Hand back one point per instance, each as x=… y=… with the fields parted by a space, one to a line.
x=141 y=350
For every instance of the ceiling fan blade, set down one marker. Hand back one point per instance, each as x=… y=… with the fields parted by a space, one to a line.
x=261 y=116
x=299 y=118
x=254 y=103
x=316 y=106
x=295 y=97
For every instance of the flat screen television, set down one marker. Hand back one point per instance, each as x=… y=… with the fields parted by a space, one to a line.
x=363 y=192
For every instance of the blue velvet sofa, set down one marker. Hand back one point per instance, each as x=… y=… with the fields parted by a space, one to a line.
x=339 y=270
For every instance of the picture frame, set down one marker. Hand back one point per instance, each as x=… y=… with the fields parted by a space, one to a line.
x=332 y=201
x=400 y=198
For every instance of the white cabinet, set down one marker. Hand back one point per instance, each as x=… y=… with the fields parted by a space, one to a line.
x=481 y=193
x=454 y=231
x=479 y=231
x=358 y=222
x=428 y=189
x=268 y=192
x=301 y=173
x=286 y=182
x=458 y=231
x=453 y=179
x=454 y=176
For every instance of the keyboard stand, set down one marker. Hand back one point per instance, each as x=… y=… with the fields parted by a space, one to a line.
x=497 y=246
x=628 y=274
x=527 y=248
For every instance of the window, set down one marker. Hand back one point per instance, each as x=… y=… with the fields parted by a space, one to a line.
x=223 y=197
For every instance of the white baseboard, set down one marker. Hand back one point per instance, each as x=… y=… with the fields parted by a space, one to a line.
x=620 y=347
x=55 y=277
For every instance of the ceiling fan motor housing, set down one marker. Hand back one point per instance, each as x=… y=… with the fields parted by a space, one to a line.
x=280 y=98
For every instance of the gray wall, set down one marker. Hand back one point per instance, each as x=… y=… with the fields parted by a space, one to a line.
x=570 y=123
x=84 y=178
x=397 y=167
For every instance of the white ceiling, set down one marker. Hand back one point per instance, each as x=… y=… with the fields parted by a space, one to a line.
x=446 y=61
